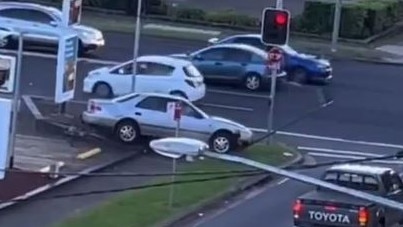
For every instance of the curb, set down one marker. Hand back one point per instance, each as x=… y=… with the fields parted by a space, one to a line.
x=215 y=202
x=379 y=62
x=65 y=180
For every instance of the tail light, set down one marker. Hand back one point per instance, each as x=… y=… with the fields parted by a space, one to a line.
x=297 y=209
x=93 y=107
x=363 y=216
x=190 y=83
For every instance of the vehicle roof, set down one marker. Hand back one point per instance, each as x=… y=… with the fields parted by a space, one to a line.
x=148 y=94
x=49 y=9
x=163 y=59
x=240 y=46
x=361 y=169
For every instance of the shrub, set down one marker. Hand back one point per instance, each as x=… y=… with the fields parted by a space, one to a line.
x=190 y=14
x=232 y=18
x=358 y=20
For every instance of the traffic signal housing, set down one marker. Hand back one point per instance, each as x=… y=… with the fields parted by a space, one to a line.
x=275 y=26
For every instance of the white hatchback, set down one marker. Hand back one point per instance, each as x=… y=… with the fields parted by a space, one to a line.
x=156 y=74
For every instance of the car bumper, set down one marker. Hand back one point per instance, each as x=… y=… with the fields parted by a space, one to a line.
x=88 y=86
x=196 y=94
x=93 y=119
x=322 y=76
x=245 y=138
x=93 y=44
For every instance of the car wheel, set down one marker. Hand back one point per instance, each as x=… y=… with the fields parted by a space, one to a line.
x=127 y=131
x=222 y=142
x=103 y=90
x=179 y=94
x=298 y=75
x=81 y=49
x=252 y=82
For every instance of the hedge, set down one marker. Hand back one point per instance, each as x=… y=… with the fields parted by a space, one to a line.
x=359 y=20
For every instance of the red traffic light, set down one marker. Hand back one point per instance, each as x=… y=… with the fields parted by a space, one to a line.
x=281 y=18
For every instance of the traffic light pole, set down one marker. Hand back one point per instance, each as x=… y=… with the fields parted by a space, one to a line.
x=270 y=115
x=336 y=24
x=279 y=4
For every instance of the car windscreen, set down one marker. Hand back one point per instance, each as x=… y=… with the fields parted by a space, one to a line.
x=191 y=71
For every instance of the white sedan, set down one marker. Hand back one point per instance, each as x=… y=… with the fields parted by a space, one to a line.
x=150 y=114
x=157 y=74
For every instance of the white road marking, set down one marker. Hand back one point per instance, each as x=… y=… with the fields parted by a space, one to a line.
x=48 y=98
x=283 y=181
x=237 y=93
x=315 y=154
x=226 y=107
x=53 y=56
x=333 y=139
x=316 y=149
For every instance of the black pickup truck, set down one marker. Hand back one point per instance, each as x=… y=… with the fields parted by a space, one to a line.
x=326 y=208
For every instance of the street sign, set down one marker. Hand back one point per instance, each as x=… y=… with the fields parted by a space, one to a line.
x=71 y=12
x=177 y=111
x=275 y=57
x=7 y=73
x=66 y=68
x=5 y=123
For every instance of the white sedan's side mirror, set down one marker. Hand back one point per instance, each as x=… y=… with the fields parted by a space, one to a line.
x=53 y=23
x=213 y=41
x=121 y=71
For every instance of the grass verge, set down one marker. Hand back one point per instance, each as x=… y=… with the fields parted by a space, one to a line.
x=149 y=207
x=125 y=24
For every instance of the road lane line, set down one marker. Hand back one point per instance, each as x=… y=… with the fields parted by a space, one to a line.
x=226 y=107
x=49 y=98
x=237 y=93
x=315 y=154
x=54 y=56
x=333 y=139
x=283 y=181
x=316 y=149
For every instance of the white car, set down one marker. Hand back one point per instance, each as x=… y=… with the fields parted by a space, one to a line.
x=151 y=114
x=38 y=22
x=158 y=74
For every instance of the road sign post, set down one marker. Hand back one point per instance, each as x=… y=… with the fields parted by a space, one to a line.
x=136 y=43
x=274 y=64
x=5 y=123
x=177 y=117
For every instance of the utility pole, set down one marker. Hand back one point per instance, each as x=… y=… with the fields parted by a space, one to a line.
x=136 y=44
x=279 y=4
x=336 y=24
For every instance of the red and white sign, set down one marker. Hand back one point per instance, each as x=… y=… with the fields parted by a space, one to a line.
x=275 y=57
x=175 y=110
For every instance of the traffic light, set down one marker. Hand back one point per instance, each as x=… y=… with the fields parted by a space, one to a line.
x=275 y=26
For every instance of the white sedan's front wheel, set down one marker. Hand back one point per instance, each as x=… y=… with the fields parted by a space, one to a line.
x=103 y=90
x=127 y=132
x=222 y=142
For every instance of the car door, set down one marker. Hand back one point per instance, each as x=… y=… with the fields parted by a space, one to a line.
x=154 y=77
x=193 y=124
x=394 y=187
x=36 y=24
x=236 y=64
x=152 y=117
x=210 y=62
x=120 y=78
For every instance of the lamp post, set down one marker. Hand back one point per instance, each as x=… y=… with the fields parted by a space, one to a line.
x=184 y=146
x=176 y=148
x=136 y=44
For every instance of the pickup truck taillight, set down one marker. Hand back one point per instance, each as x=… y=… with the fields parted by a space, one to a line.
x=93 y=107
x=297 y=209
x=363 y=216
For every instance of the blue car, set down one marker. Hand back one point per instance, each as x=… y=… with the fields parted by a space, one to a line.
x=238 y=64
x=301 y=68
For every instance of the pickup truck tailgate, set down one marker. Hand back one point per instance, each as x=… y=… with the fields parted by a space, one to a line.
x=321 y=215
x=316 y=209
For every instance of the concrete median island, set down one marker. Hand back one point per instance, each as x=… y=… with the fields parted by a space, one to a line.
x=149 y=207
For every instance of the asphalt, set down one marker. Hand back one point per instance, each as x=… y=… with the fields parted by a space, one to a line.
x=367 y=107
x=48 y=212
